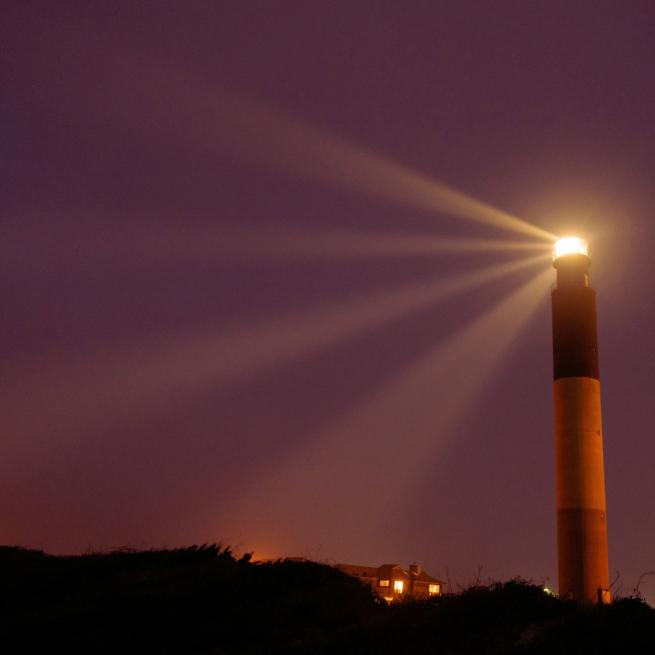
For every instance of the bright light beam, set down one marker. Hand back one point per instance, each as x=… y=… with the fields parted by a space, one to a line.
x=265 y=244
x=380 y=449
x=135 y=245
x=205 y=117
x=129 y=384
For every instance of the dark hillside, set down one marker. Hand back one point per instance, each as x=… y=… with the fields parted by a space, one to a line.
x=204 y=600
x=192 y=600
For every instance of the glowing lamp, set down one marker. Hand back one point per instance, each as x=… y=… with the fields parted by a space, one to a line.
x=570 y=246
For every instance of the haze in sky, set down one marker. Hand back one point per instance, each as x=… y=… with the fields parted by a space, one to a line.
x=260 y=267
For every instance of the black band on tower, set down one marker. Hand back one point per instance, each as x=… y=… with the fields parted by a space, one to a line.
x=575 y=345
x=575 y=349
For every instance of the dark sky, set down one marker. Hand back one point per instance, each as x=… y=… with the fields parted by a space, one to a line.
x=198 y=341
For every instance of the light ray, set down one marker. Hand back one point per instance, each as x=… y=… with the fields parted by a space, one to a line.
x=204 y=116
x=202 y=243
x=131 y=383
x=378 y=449
x=264 y=244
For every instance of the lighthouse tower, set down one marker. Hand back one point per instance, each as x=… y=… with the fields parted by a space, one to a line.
x=581 y=519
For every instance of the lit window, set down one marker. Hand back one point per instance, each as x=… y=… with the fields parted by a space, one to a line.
x=389 y=599
x=398 y=586
x=384 y=583
x=433 y=589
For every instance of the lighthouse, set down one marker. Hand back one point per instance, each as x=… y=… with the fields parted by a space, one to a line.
x=582 y=557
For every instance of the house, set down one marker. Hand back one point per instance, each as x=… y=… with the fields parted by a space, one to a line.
x=392 y=582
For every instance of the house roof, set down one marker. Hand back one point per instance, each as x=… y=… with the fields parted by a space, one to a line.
x=424 y=577
x=360 y=571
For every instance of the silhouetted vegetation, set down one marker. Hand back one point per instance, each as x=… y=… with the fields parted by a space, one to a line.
x=205 y=600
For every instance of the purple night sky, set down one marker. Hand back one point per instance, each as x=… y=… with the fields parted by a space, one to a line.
x=216 y=276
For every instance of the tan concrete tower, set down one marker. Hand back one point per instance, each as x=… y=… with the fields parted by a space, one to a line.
x=581 y=521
